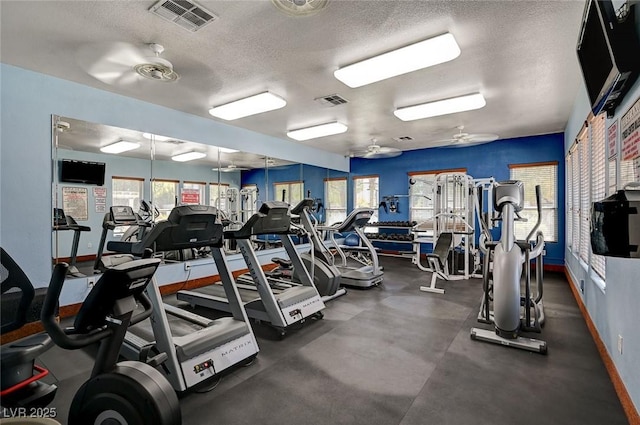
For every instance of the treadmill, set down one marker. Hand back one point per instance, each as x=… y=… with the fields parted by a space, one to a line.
x=280 y=307
x=192 y=348
x=365 y=276
x=117 y=216
x=63 y=222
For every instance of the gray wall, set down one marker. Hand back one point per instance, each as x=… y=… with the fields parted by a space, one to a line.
x=613 y=309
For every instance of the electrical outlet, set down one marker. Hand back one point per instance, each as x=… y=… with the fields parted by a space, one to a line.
x=187 y=265
x=91 y=280
x=89 y=245
x=620 y=344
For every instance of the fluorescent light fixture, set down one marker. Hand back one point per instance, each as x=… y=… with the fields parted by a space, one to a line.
x=441 y=107
x=149 y=136
x=422 y=54
x=120 y=146
x=316 y=131
x=188 y=156
x=228 y=150
x=251 y=105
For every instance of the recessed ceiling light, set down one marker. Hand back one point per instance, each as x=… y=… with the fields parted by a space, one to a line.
x=120 y=146
x=316 y=131
x=251 y=105
x=155 y=137
x=188 y=156
x=422 y=54
x=228 y=150
x=441 y=107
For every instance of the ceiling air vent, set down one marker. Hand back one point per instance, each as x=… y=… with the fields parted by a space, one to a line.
x=186 y=14
x=403 y=139
x=331 y=100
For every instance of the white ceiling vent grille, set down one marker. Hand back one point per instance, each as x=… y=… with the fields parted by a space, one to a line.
x=331 y=100
x=184 y=13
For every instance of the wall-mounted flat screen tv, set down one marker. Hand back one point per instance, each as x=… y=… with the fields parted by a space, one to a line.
x=608 y=49
x=73 y=171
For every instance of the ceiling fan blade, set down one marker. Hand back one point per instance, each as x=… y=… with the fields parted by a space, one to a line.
x=383 y=153
x=108 y=61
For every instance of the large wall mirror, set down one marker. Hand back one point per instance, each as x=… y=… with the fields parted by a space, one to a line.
x=97 y=166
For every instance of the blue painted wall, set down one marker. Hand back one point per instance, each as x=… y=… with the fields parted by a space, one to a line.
x=487 y=160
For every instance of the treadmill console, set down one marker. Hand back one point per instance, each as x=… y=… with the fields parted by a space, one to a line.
x=123 y=215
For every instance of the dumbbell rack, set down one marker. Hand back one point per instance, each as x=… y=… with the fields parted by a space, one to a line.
x=405 y=237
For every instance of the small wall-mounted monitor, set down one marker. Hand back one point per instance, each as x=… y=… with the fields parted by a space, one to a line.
x=607 y=49
x=73 y=171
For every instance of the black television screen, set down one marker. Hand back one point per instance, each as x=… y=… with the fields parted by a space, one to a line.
x=608 y=53
x=86 y=172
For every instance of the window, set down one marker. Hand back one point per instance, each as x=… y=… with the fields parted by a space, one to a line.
x=165 y=196
x=192 y=193
x=575 y=200
x=585 y=198
x=598 y=177
x=126 y=191
x=218 y=194
x=568 y=199
x=289 y=192
x=545 y=175
x=335 y=202
x=366 y=194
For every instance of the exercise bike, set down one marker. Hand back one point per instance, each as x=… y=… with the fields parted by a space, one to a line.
x=124 y=393
x=502 y=303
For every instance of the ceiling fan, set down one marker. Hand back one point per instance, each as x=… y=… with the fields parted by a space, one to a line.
x=375 y=151
x=230 y=168
x=125 y=64
x=462 y=139
x=300 y=7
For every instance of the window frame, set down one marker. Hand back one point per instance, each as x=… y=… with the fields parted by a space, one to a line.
x=164 y=211
x=337 y=213
x=554 y=238
x=371 y=204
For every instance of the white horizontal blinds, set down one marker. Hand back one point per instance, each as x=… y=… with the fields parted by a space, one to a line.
x=366 y=194
x=335 y=207
x=545 y=175
x=289 y=192
x=218 y=196
x=598 y=176
x=568 y=199
x=575 y=199
x=585 y=196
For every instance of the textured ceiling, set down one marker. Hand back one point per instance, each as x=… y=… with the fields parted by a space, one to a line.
x=519 y=54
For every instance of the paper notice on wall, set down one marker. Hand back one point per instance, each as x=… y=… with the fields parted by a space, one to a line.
x=630 y=132
x=612 y=138
x=99 y=192
x=190 y=196
x=75 y=202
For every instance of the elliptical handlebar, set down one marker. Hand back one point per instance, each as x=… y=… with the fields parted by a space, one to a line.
x=539 y=208
x=57 y=334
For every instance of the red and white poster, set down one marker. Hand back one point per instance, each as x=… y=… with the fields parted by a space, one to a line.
x=612 y=138
x=190 y=196
x=630 y=132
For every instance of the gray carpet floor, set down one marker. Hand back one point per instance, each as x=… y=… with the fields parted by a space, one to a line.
x=393 y=355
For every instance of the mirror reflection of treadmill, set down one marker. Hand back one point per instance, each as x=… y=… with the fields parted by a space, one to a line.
x=62 y=222
x=362 y=276
x=191 y=348
x=279 y=307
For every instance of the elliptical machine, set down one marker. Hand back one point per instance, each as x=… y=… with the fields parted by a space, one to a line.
x=502 y=303
x=125 y=393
